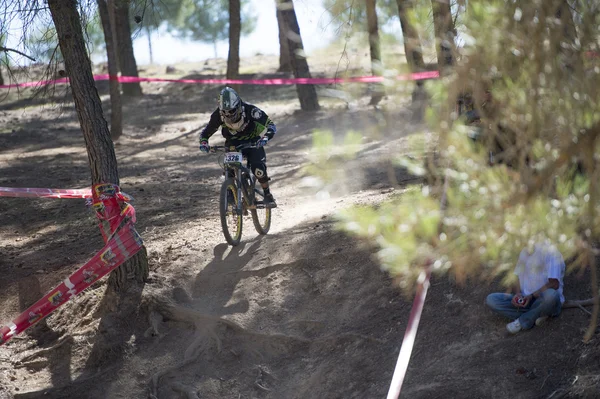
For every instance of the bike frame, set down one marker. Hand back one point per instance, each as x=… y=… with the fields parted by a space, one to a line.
x=242 y=191
x=239 y=170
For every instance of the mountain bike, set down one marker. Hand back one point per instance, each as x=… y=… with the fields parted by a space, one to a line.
x=240 y=194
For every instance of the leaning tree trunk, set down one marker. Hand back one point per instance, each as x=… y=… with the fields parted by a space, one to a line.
x=100 y=149
x=412 y=43
x=285 y=64
x=116 y=114
x=127 y=63
x=235 y=27
x=569 y=32
x=413 y=53
x=376 y=66
x=443 y=27
x=307 y=94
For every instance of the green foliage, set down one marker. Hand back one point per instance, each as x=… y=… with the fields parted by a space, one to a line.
x=43 y=45
x=94 y=34
x=540 y=120
x=4 y=60
x=421 y=18
x=156 y=14
x=208 y=20
x=480 y=232
x=353 y=14
x=42 y=42
x=329 y=155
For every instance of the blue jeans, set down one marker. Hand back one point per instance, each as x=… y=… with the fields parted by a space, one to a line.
x=548 y=304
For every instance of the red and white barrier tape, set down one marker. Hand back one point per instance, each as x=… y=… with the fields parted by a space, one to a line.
x=266 y=82
x=122 y=242
x=44 y=192
x=410 y=334
x=122 y=246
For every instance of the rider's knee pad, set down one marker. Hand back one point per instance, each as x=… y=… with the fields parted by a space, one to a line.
x=261 y=175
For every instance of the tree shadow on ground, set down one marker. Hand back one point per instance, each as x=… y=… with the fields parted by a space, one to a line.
x=330 y=311
x=165 y=188
x=55 y=224
x=59 y=363
x=211 y=292
x=111 y=344
x=296 y=313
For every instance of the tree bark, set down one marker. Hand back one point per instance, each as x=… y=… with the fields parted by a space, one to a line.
x=443 y=27
x=374 y=46
x=116 y=114
x=285 y=64
x=101 y=154
x=307 y=94
x=412 y=42
x=235 y=27
x=1 y=78
x=413 y=53
x=127 y=63
x=569 y=33
x=149 y=37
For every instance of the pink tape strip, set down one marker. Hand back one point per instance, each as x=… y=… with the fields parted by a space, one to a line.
x=410 y=334
x=34 y=84
x=44 y=192
x=124 y=244
x=267 y=82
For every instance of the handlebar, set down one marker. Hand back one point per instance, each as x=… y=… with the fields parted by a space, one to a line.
x=223 y=148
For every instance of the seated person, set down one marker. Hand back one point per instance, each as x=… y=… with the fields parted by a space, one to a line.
x=540 y=269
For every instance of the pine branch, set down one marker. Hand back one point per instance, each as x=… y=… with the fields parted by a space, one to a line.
x=578 y=303
x=6 y=50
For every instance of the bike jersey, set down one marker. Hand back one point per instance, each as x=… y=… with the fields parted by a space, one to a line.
x=256 y=122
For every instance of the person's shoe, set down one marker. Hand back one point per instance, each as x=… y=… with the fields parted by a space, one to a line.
x=270 y=201
x=540 y=321
x=514 y=327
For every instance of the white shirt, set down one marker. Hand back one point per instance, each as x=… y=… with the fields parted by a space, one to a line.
x=536 y=268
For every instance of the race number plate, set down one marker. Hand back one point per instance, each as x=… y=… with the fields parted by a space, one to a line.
x=233 y=157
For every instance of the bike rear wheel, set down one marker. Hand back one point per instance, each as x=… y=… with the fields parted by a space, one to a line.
x=261 y=217
x=231 y=219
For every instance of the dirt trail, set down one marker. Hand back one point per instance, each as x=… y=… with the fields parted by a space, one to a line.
x=303 y=312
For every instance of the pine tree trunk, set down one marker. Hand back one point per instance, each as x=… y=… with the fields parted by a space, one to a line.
x=127 y=63
x=412 y=43
x=413 y=53
x=149 y=36
x=100 y=149
x=284 y=55
x=235 y=27
x=307 y=94
x=116 y=114
x=444 y=32
x=569 y=32
x=376 y=67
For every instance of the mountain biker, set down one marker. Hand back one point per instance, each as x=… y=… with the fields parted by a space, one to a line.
x=243 y=123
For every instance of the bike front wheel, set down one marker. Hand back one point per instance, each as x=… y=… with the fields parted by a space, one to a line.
x=261 y=215
x=231 y=219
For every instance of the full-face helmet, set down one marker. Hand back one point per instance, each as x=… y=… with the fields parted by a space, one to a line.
x=230 y=108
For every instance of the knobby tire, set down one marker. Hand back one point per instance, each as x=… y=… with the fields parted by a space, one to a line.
x=264 y=226
x=232 y=239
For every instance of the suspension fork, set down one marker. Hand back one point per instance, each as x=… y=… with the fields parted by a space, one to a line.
x=240 y=200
